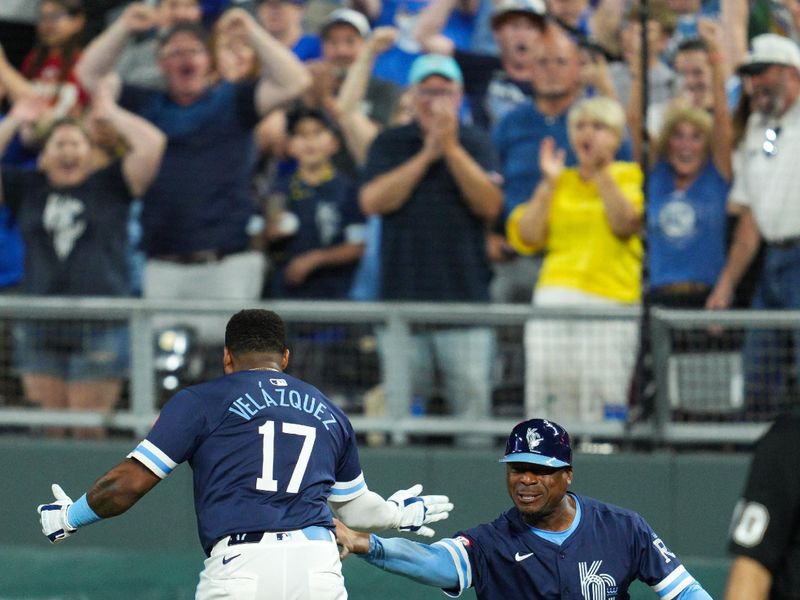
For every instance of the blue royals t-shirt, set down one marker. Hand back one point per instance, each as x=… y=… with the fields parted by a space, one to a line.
x=267 y=450
x=75 y=237
x=686 y=229
x=328 y=216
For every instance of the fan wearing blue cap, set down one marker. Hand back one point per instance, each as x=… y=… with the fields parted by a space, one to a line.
x=499 y=79
x=435 y=64
x=434 y=184
x=551 y=544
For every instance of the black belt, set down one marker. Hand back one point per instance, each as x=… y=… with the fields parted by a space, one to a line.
x=682 y=288
x=313 y=533
x=201 y=257
x=785 y=243
x=252 y=537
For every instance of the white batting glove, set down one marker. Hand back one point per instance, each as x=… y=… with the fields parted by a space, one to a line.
x=414 y=511
x=54 y=516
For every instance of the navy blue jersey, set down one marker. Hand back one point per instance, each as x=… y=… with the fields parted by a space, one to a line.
x=201 y=197
x=328 y=214
x=433 y=248
x=75 y=237
x=609 y=549
x=266 y=451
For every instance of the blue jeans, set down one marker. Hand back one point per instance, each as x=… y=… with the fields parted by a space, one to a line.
x=770 y=356
x=72 y=350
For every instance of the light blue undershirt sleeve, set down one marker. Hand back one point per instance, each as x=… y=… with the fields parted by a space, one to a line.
x=80 y=513
x=693 y=592
x=428 y=564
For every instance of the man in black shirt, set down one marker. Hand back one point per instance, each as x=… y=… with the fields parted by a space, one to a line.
x=434 y=184
x=765 y=534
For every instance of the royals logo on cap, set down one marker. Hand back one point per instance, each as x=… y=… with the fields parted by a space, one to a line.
x=534 y=439
x=540 y=442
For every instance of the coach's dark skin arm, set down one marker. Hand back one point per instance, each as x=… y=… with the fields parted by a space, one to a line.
x=350 y=540
x=120 y=488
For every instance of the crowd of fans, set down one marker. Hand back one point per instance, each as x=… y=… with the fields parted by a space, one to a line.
x=405 y=150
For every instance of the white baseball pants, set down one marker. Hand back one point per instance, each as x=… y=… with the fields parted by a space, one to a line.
x=292 y=565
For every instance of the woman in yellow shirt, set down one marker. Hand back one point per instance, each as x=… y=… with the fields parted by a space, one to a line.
x=587 y=219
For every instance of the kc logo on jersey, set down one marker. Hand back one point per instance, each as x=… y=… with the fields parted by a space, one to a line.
x=595 y=585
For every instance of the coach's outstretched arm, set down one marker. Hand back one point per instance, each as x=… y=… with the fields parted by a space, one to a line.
x=405 y=510
x=111 y=495
x=436 y=564
x=430 y=564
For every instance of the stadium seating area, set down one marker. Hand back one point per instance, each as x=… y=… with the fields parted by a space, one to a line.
x=231 y=152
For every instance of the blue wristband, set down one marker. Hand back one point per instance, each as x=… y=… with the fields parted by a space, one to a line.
x=80 y=514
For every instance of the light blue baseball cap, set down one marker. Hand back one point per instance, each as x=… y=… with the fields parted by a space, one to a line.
x=435 y=64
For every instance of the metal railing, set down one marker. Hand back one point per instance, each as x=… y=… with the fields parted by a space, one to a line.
x=669 y=327
x=398 y=321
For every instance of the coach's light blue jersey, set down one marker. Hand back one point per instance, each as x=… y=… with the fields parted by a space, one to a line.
x=609 y=549
x=266 y=449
